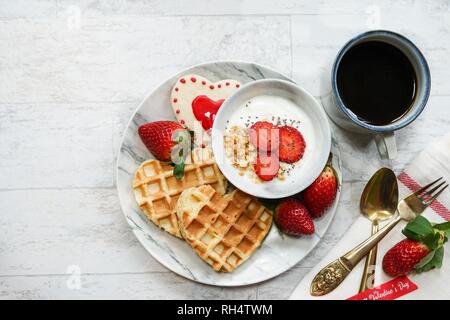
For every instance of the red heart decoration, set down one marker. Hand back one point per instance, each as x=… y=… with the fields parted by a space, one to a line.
x=205 y=110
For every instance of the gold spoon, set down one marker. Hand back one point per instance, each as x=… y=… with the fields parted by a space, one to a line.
x=378 y=202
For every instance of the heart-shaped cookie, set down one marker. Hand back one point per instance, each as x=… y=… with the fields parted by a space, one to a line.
x=196 y=100
x=223 y=230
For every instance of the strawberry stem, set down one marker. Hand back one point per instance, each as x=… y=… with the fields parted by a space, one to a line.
x=178 y=170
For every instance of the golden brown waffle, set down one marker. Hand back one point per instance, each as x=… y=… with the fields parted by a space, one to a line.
x=156 y=189
x=223 y=230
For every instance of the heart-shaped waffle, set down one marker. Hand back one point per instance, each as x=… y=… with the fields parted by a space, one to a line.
x=156 y=189
x=196 y=100
x=223 y=230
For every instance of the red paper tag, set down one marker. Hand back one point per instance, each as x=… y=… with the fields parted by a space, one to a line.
x=390 y=290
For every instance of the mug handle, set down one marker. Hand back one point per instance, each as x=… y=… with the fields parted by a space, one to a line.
x=386 y=145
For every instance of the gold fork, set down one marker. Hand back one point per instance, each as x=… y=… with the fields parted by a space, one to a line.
x=330 y=277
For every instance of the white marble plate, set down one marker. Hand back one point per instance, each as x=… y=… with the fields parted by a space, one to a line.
x=276 y=255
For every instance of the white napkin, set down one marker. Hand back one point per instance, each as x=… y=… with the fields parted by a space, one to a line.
x=432 y=163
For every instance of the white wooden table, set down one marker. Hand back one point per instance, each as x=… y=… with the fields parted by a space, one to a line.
x=71 y=74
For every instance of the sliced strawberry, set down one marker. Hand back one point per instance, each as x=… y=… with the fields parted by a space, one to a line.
x=266 y=166
x=292 y=144
x=264 y=136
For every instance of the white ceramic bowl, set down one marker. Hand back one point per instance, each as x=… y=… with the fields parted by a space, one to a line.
x=313 y=125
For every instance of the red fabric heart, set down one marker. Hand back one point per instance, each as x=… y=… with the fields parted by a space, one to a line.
x=205 y=110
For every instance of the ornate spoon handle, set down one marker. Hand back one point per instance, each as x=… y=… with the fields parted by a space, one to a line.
x=330 y=277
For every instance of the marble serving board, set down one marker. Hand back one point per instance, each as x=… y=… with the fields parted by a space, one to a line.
x=277 y=253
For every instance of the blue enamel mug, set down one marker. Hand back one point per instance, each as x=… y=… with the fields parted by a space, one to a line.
x=383 y=134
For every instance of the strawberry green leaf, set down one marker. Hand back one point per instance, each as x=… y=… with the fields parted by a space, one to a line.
x=178 y=170
x=443 y=226
x=431 y=261
x=438 y=257
x=411 y=235
x=443 y=229
x=418 y=228
x=432 y=240
x=425 y=260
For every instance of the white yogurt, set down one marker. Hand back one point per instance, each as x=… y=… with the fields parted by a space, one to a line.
x=274 y=100
x=277 y=110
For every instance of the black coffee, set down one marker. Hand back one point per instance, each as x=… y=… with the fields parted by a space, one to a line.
x=377 y=82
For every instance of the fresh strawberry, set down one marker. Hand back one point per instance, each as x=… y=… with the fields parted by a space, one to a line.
x=266 y=166
x=292 y=218
x=320 y=195
x=403 y=257
x=264 y=136
x=158 y=137
x=422 y=250
x=292 y=144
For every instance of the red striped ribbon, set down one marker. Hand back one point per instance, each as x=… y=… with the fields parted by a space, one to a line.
x=412 y=185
